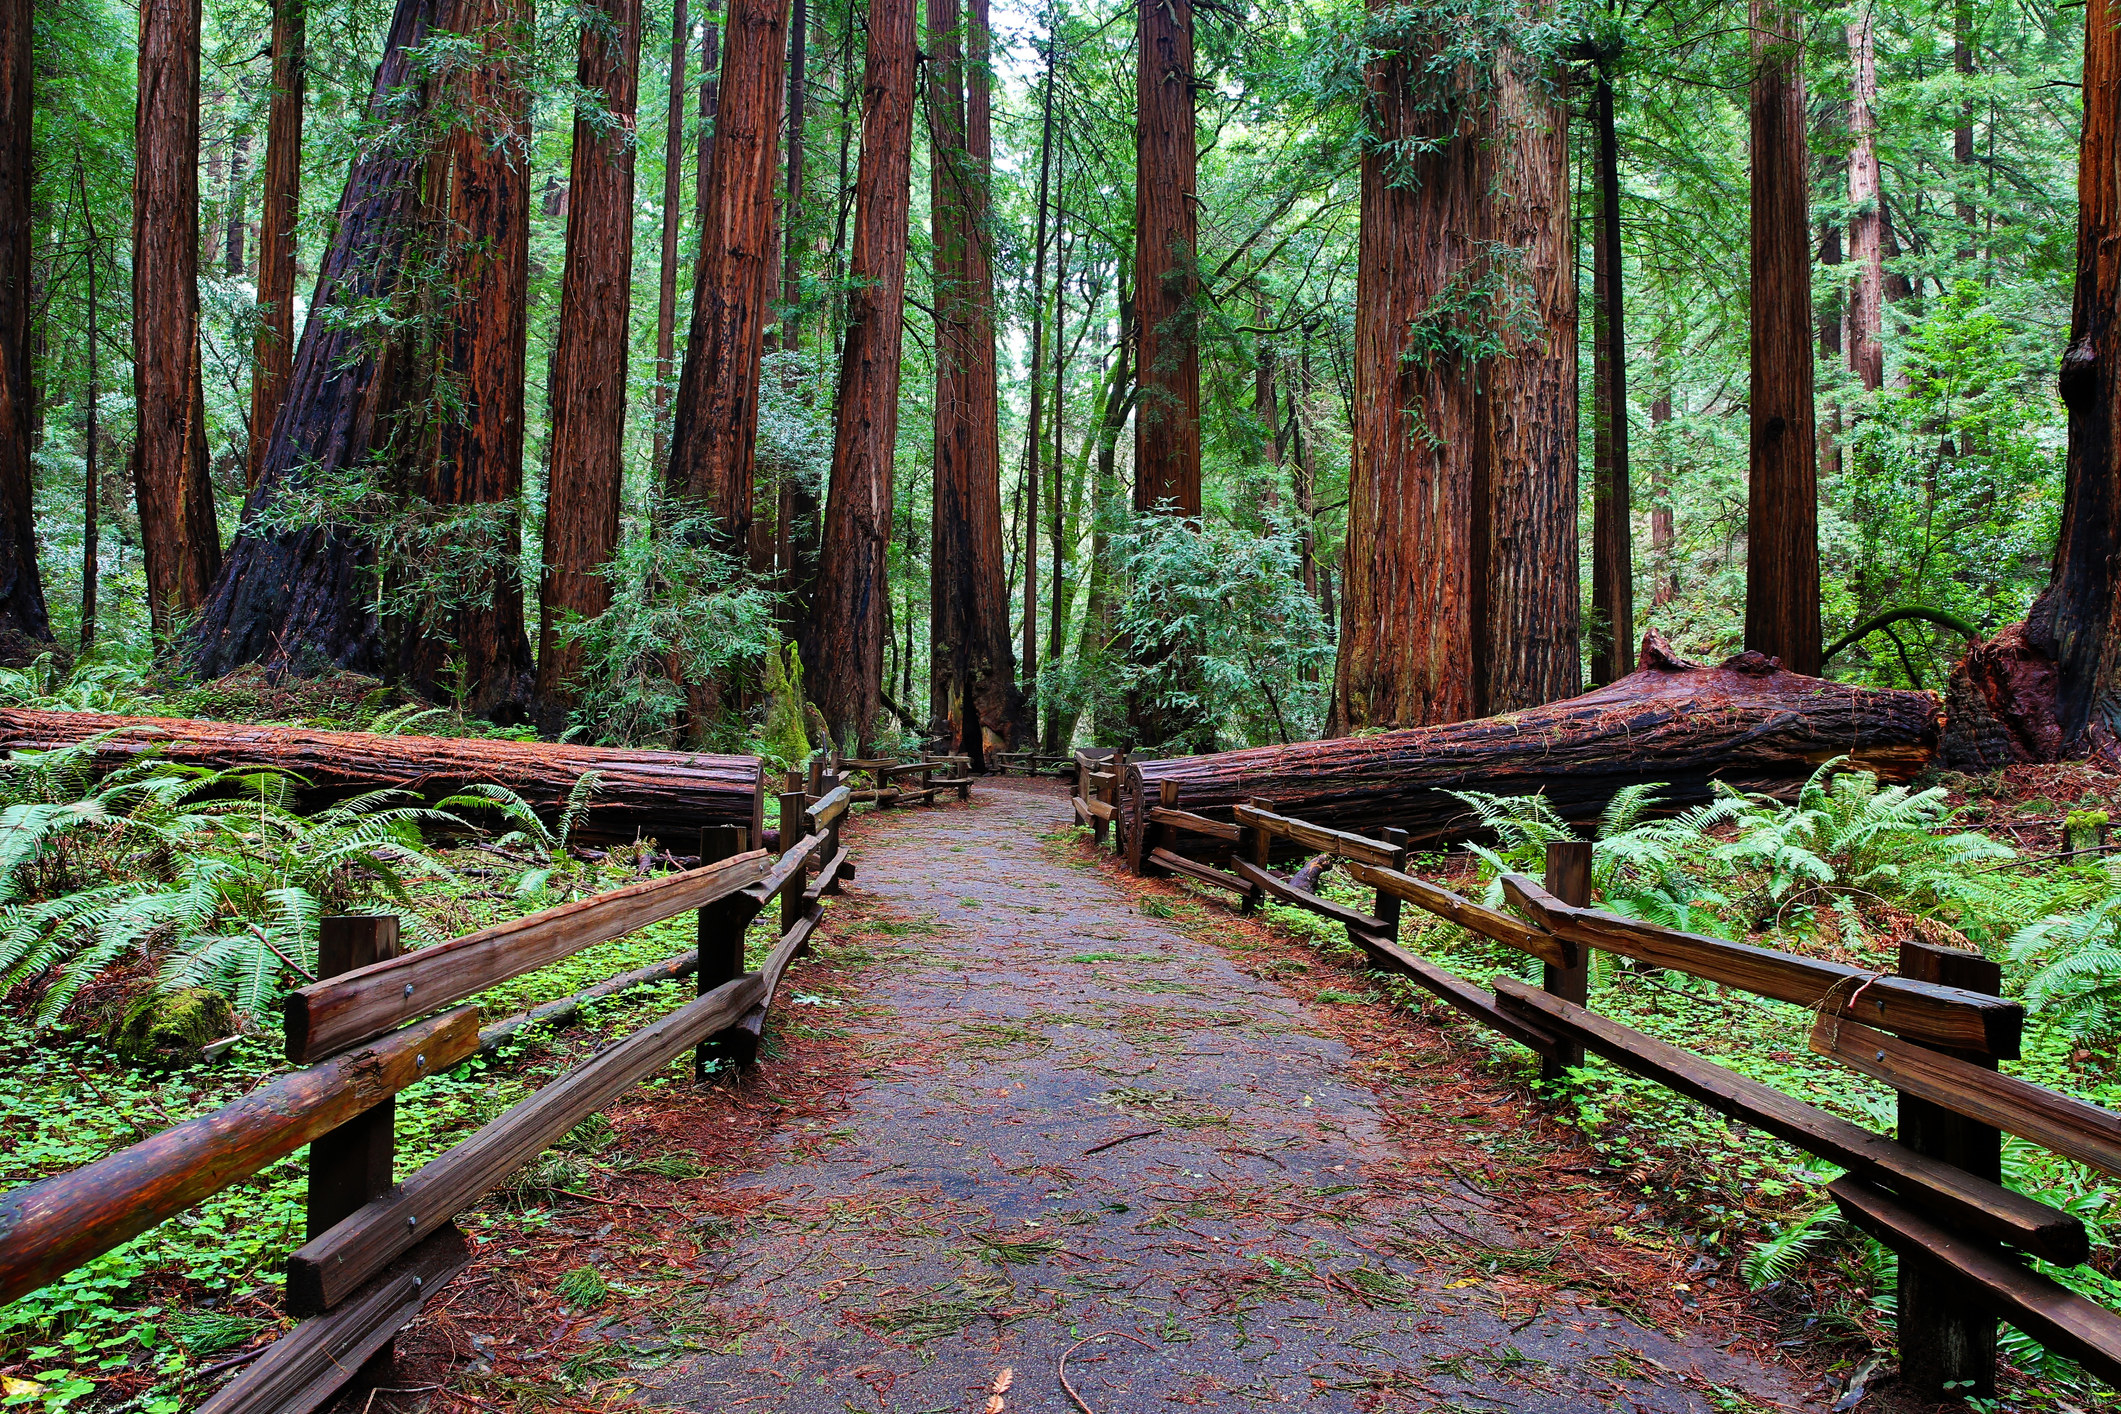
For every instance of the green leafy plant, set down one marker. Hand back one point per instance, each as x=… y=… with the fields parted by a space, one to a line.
x=2074 y=979
x=546 y=844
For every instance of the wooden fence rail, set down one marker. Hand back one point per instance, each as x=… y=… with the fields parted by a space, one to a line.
x=1934 y=1033
x=378 y=1249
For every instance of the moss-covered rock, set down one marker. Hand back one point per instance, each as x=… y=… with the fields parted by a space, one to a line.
x=783 y=737
x=170 y=1028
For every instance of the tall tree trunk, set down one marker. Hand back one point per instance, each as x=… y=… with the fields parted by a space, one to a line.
x=1963 y=131
x=177 y=528
x=589 y=353
x=947 y=177
x=1782 y=502
x=1406 y=639
x=1099 y=611
x=715 y=429
x=1866 y=213
x=1305 y=464
x=710 y=110
x=1612 y=515
x=1034 y=438
x=1058 y=541
x=1527 y=606
x=305 y=596
x=238 y=165
x=792 y=197
x=1166 y=279
x=1663 y=531
x=852 y=589
x=481 y=181
x=25 y=629
x=2074 y=621
x=92 y=472
x=666 y=310
x=273 y=354
x=216 y=174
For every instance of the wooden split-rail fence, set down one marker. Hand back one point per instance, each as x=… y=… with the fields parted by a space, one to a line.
x=1934 y=1031
x=377 y=1022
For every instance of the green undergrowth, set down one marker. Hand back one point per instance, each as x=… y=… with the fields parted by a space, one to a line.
x=133 y=1327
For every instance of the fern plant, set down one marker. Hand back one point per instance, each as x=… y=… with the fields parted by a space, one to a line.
x=2074 y=979
x=547 y=844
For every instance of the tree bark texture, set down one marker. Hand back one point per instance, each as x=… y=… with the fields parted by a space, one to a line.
x=665 y=793
x=792 y=195
x=25 y=628
x=1747 y=723
x=852 y=591
x=589 y=355
x=274 y=352
x=666 y=314
x=710 y=104
x=1612 y=512
x=1782 y=503
x=305 y=597
x=1866 y=307
x=1527 y=601
x=179 y=536
x=715 y=428
x=1034 y=441
x=1166 y=274
x=480 y=182
x=238 y=165
x=1406 y=643
x=972 y=663
x=2070 y=704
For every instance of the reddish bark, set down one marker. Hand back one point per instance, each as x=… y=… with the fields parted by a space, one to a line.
x=1526 y=603
x=666 y=312
x=1747 y=723
x=25 y=629
x=715 y=427
x=179 y=537
x=1406 y=643
x=1782 y=508
x=1999 y=708
x=1612 y=518
x=480 y=178
x=1166 y=278
x=589 y=355
x=852 y=594
x=305 y=597
x=274 y=351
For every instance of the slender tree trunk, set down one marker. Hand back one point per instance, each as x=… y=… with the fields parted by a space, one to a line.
x=1034 y=439
x=176 y=499
x=1166 y=279
x=305 y=596
x=1406 y=639
x=1099 y=612
x=953 y=453
x=1058 y=540
x=25 y=628
x=715 y=430
x=273 y=355
x=216 y=175
x=589 y=354
x=1866 y=215
x=1663 y=530
x=481 y=181
x=1782 y=506
x=1527 y=605
x=238 y=166
x=92 y=473
x=666 y=311
x=1963 y=131
x=792 y=200
x=852 y=587
x=1305 y=463
x=710 y=112
x=1612 y=530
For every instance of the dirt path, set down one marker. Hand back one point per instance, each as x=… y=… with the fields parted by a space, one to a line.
x=1071 y=1117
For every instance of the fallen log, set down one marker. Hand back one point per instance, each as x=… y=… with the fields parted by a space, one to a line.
x=1749 y=723
x=667 y=794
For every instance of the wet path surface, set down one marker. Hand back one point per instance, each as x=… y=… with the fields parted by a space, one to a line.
x=1069 y=1117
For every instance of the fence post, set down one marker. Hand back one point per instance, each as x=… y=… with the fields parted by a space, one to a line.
x=354 y=1163
x=757 y=837
x=832 y=831
x=1568 y=878
x=721 y=926
x=1386 y=906
x=793 y=833
x=1256 y=845
x=1947 y=1343
x=816 y=768
x=1156 y=836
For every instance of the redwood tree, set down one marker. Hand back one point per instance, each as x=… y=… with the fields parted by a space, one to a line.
x=273 y=354
x=178 y=534
x=1166 y=282
x=666 y=312
x=589 y=355
x=715 y=427
x=1612 y=531
x=480 y=178
x=1782 y=504
x=24 y=627
x=851 y=591
x=303 y=595
x=1406 y=641
x=1525 y=608
x=1866 y=305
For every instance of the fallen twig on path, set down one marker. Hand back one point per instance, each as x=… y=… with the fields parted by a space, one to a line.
x=1080 y=1403
x=1112 y=1143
